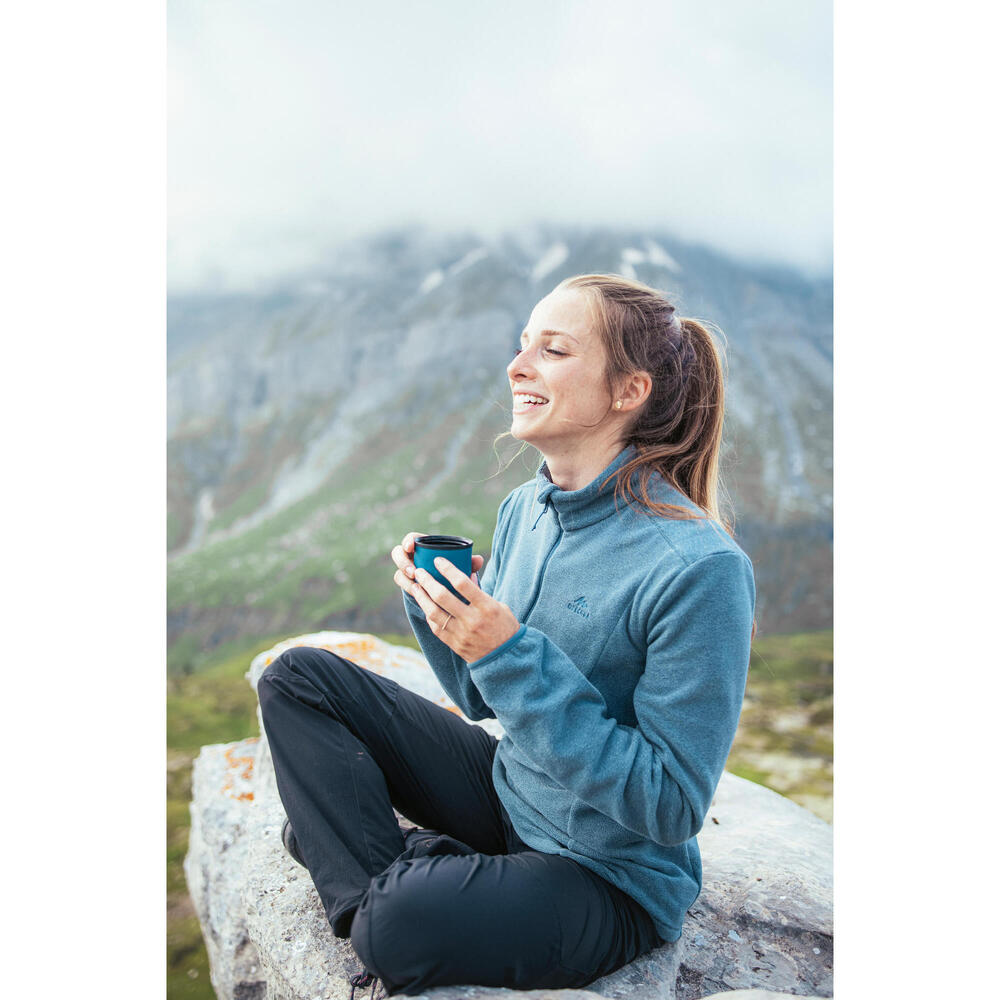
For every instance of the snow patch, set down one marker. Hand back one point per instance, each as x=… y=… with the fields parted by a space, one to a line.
x=652 y=254
x=204 y=513
x=554 y=257
x=472 y=257
x=206 y=506
x=431 y=281
x=657 y=255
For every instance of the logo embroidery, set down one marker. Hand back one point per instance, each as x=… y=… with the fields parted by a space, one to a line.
x=580 y=607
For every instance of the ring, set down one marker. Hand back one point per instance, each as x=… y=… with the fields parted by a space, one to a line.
x=445 y=625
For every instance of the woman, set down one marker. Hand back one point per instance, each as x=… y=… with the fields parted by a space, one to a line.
x=610 y=636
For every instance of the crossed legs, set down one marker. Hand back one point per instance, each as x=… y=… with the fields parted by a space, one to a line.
x=348 y=746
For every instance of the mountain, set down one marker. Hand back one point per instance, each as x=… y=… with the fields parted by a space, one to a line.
x=313 y=424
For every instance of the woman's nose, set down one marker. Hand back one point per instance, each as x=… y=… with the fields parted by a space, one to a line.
x=520 y=365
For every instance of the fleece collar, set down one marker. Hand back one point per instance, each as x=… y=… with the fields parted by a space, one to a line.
x=580 y=508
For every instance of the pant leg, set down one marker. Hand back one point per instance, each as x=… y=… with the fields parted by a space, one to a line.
x=527 y=920
x=347 y=746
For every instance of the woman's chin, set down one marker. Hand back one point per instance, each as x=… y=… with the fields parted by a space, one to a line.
x=521 y=429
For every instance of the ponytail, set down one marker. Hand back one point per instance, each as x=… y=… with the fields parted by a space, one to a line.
x=677 y=433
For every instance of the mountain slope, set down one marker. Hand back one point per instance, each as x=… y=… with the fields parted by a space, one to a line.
x=310 y=426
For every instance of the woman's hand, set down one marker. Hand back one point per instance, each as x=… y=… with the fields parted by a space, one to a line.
x=472 y=630
x=402 y=556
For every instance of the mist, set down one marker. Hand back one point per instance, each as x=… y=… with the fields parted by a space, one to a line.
x=295 y=126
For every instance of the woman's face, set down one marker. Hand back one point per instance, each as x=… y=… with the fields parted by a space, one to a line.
x=557 y=378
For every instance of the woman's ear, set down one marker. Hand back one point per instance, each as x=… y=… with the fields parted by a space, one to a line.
x=634 y=391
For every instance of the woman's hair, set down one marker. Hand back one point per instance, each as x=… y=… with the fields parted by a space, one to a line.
x=677 y=431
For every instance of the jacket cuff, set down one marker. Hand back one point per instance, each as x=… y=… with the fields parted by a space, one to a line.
x=503 y=647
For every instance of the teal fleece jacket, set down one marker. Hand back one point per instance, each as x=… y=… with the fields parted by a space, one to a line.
x=621 y=690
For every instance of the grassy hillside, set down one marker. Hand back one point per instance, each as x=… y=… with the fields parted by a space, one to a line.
x=328 y=554
x=785 y=741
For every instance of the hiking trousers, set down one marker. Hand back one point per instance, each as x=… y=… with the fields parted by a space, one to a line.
x=460 y=900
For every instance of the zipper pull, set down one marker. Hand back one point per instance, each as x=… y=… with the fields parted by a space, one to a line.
x=545 y=507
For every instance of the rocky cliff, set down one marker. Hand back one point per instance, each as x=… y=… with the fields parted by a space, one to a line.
x=763 y=922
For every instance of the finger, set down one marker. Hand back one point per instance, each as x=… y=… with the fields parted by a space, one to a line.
x=439 y=593
x=427 y=605
x=408 y=540
x=457 y=579
x=477 y=563
x=402 y=560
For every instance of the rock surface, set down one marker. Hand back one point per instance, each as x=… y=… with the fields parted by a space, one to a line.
x=762 y=926
x=222 y=821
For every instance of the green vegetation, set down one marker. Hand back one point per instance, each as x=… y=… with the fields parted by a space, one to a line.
x=785 y=741
x=329 y=552
x=247 y=503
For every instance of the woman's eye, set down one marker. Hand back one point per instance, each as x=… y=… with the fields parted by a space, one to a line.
x=547 y=350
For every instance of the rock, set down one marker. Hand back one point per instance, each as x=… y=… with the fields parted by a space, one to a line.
x=222 y=814
x=764 y=918
x=763 y=921
x=755 y=995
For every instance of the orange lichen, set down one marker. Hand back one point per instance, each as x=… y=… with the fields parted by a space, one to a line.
x=354 y=649
x=243 y=765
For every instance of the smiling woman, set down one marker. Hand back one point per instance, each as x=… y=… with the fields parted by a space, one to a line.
x=610 y=635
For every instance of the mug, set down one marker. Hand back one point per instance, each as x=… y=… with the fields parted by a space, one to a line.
x=454 y=548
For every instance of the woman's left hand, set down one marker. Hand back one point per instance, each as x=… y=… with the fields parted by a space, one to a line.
x=472 y=630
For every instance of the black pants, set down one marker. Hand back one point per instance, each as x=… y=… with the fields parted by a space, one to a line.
x=474 y=905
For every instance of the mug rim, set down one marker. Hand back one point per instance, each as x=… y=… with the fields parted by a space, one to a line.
x=449 y=542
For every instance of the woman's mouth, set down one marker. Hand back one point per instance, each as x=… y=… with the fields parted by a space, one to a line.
x=525 y=401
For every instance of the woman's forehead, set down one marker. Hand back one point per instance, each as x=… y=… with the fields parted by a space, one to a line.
x=567 y=310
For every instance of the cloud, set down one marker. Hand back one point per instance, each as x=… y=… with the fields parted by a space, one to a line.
x=294 y=125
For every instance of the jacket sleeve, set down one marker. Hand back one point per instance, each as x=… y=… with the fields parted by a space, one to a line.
x=451 y=670
x=656 y=779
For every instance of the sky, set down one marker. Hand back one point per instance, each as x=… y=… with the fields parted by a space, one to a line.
x=294 y=125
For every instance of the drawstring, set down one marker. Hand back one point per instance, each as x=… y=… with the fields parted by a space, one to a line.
x=545 y=507
x=363 y=980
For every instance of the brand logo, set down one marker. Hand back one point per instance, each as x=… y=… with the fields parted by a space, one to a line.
x=580 y=607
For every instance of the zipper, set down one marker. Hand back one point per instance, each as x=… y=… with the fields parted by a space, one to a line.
x=541 y=574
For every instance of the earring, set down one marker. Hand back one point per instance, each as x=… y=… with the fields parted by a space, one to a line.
x=618 y=405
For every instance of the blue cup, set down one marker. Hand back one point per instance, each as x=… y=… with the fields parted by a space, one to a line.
x=454 y=548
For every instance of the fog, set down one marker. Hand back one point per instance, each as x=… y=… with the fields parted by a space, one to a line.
x=294 y=125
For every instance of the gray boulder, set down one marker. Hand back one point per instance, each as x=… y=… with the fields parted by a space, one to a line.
x=762 y=925
x=222 y=822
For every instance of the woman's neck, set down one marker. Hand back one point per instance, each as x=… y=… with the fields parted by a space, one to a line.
x=574 y=470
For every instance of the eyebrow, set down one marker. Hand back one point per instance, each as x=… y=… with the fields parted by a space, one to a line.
x=551 y=333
